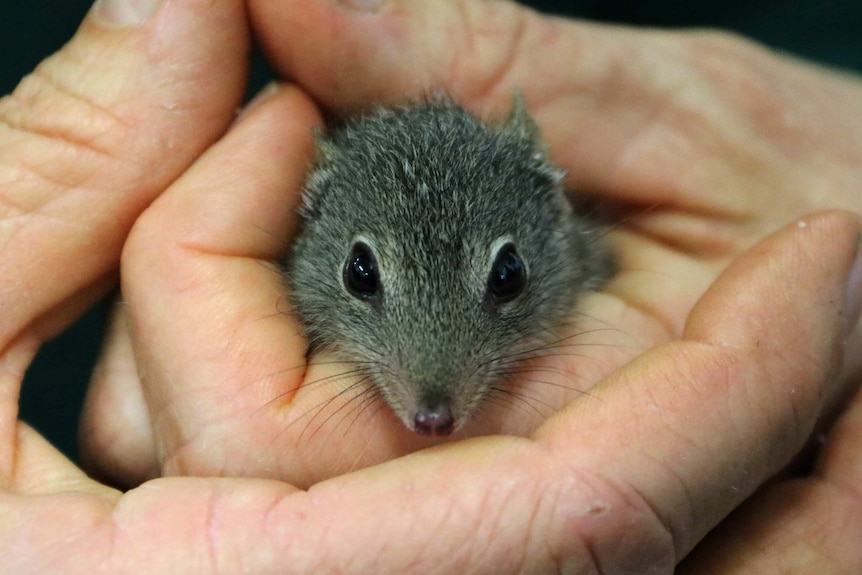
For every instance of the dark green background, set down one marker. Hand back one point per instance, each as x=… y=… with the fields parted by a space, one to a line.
x=32 y=29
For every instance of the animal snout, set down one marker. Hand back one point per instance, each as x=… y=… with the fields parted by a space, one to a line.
x=434 y=418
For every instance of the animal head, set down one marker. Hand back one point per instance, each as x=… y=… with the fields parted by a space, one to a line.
x=435 y=250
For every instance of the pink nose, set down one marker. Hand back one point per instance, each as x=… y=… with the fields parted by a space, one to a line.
x=437 y=420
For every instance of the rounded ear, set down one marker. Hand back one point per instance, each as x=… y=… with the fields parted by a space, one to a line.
x=521 y=125
x=313 y=192
x=326 y=150
x=519 y=122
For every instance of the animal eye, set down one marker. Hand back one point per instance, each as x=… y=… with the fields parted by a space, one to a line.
x=360 y=272
x=508 y=276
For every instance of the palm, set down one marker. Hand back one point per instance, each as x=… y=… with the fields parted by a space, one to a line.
x=195 y=297
x=632 y=477
x=649 y=153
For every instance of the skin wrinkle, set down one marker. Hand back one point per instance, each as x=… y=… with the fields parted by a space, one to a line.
x=687 y=497
x=45 y=188
x=461 y=550
x=54 y=221
x=319 y=548
x=536 y=532
x=677 y=531
x=103 y=123
x=33 y=176
x=654 y=517
x=791 y=141
x=674 y=232
x=17 y=117
x=494 y=78
x=799 y=405
x=667 y=323
x=669 y=471
x=666 y=94
x=15 y=358
x=535 y=526
x=210 y=532
x=668 y=102
x=733 y=381
x=756 y=88
x=660 y=330
x=696 y=136
x=588 y=530
x=192 y=441
x=492 y=511
x=306 y=554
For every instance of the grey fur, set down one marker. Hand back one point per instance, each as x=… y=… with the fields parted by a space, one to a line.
x=433 y=191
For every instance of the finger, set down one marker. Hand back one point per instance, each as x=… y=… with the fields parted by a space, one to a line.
x=623 y=484
x=730 y=405
x=595 y=91
x=201 y=261
x=629 y=478
x=351 y=55
x=643 y=116
x=86 y=141
x=807 y=525
x=116 y=435
x=56 y=518
x=42 y=470
x=198 y=266
x=669 y=122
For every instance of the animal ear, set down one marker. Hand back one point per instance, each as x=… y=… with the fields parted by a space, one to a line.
x=317 y=182
x=520 y=123
x=327 y=152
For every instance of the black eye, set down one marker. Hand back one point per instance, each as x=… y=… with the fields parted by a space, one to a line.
x=360 y=272
x=508 y=276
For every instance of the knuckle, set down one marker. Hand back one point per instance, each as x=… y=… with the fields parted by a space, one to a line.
x=55 y=140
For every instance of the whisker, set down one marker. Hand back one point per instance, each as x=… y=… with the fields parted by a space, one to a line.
x=531 y=400
x=563 y=386
x=544 y=345
x=307 y=384
x=319 y=408
x=370 y=397
x=513 y=400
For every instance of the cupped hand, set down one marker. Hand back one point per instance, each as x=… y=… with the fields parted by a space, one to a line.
x=629 y=477
x=699 y=144
x=86 y=142
x=584 y=495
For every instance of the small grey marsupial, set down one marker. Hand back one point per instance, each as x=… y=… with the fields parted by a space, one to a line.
x=438 y=253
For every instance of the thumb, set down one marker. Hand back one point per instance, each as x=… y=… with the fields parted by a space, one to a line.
x=95 y=133
x=86 y=142
x=352 y=52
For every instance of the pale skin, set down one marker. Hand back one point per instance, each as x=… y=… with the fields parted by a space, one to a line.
x=733 y=302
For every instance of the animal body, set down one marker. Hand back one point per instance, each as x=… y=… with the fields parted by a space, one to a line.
x=436 y=252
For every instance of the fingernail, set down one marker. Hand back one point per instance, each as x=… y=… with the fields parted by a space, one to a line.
x=853 y=290
x=363 y=5
x=265 y=94
x=125 y=12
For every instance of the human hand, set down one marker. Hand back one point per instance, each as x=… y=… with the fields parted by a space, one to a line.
x=580 y=496
x=597 y=502
x=670 y=122
x=752 y=477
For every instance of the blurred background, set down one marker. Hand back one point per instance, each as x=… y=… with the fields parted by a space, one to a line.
x=32 y=29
